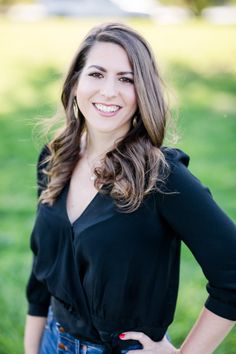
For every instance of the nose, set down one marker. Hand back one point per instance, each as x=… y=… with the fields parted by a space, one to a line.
x=109 y=88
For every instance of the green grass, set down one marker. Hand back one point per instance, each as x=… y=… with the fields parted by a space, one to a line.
x=198 y=62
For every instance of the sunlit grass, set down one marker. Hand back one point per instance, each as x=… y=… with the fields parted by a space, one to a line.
x=198 y=63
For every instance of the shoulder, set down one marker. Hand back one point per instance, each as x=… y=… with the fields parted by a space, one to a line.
x=175 y=157
x=177 y=164
x=178 y=178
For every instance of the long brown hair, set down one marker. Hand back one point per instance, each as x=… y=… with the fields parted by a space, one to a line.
x=132 y=169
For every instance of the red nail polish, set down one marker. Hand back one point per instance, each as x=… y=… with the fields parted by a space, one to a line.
x=122 y=335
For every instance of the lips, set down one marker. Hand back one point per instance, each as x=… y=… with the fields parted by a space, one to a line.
x=104 y=108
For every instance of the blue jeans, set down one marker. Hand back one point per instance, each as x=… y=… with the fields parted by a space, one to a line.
x=56 y=341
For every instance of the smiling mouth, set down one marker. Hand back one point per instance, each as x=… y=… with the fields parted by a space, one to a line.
x=107 y=108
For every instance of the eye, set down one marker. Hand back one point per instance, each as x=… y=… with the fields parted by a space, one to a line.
x=96 y=74
x=126 y=80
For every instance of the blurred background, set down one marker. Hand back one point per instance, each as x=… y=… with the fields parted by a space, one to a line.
x=195 y=47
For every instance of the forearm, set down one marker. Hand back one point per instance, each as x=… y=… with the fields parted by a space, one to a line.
x=207 y=334
x=33 y=333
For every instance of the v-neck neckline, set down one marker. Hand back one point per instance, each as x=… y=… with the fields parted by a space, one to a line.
x=85 y=210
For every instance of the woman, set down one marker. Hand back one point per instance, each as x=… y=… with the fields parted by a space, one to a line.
x=114 y=205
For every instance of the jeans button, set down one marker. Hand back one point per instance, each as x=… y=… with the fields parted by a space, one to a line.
x=62 y=346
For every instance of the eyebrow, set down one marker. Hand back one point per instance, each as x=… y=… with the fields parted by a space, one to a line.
x=104 y=70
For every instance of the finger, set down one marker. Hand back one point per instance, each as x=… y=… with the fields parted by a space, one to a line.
x=140 y=336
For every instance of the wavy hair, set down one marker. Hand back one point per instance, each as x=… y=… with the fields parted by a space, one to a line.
x=133 y=168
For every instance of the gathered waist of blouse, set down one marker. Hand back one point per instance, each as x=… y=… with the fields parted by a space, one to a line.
x=99 y=330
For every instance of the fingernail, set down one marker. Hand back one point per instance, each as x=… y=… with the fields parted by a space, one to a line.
x=122 y=335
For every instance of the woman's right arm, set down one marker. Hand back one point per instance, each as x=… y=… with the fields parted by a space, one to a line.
x=34 y=327
x=38 y=303
x=37 y=294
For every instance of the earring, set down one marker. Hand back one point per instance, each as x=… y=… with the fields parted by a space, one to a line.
x=134 y=122
x=75 y=108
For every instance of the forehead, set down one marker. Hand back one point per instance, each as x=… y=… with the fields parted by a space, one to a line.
x=108 y=55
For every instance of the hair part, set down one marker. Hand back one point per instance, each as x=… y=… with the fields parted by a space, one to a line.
x=136 y=164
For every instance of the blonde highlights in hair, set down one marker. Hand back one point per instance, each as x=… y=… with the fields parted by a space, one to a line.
x=136 y=164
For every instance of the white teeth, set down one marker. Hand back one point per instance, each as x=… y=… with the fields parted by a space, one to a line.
x=103 y=108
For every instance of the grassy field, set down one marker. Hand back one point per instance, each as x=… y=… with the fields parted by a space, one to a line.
x=198 y=64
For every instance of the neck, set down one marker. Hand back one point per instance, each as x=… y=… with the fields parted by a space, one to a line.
x=97 y=144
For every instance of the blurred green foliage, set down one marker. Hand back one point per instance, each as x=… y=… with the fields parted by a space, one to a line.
x=198 y=64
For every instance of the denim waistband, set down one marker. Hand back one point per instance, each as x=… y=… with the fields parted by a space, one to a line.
x=68 y=328
x=66 y=342
x=57 y=340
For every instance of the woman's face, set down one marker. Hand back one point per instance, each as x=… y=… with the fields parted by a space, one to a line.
x=105 y=90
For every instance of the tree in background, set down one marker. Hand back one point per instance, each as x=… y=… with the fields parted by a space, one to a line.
x=13 y=2
x=197 y=5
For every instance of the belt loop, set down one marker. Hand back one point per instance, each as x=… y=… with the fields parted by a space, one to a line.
x=83 y=348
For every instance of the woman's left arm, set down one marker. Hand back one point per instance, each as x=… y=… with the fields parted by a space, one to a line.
x=207 y=333
x=193 y=215
x=190 y=211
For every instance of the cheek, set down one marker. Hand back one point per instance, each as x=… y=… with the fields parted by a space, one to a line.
x=82 y=99
x=85 y=86
x=82 y=90
x=131 y=94
x=132 y=98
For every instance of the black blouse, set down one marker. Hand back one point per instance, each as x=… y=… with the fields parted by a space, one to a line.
x=115 y=272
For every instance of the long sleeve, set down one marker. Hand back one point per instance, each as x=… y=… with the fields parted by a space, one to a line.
x=189 y=209
x=37 y=293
